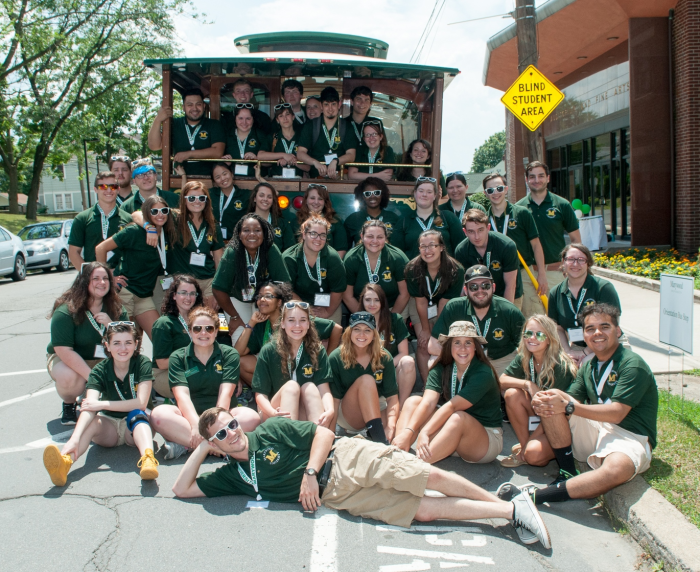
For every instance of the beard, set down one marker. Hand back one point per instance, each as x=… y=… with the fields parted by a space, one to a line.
x=479 y=305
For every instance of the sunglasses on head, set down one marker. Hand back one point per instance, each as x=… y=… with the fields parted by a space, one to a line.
x=454 y=173
x=539 y=336
x=115 y=324
x=244 y=106
x=121 y=158
x=164 y=210
x=317 y=186
x=429 y=179
x=104 y=187
x=293 y=303
x=282 y=106
x=141 y=162
x=472 y=287
x=368 y=194
x=498 y=189
x=221 y=434
x=195 y=198
x=208 y=329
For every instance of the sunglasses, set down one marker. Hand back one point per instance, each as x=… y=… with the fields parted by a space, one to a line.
x=115 y=324
x=195 y=198
x=208 y=329
x=475 y=287
x=369 y=194
x=221 y=434
x=293 y=303
x=164 y=210
x=539 y=336
x=317 y=186
x=104 y=187
x=454 y=173
x=282 y=106
x=363 y=317
x=429 y=179
x=498 y=189
x=121 y=158
x=141 y=162
x=245 y=106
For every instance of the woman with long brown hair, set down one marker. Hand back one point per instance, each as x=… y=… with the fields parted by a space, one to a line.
x=419 y=152
x=317 y=202
x=264 y=202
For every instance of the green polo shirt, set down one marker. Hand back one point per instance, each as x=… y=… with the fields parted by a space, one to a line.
x=120 y=200
x=255 y=142
x=405 y=236
x=392 y=264
x=203 y=380
x=630 y=382
x=168 y=335
x=179 y=255
x=282 y=233
x=271 y=374
x=86 y=232
x=354 y=223
x=343 y=377
x=501 y=256
x=339 y=146
x=448 y=208
x=82 y=338
x=521 y=229
x=140 y=263
x=397 y=334
x=332 y=272
x=233 y=212
x=553 y=218
x=594 y=290
x=225 y=277
x=363 y=156
x=505 y=324
x=111 y=388
x=262 y=333
x=480 y=388
x=563 y=378
x=281 y=448
x=356 y=128
x=136 y=201
x=280 y=144
x=419 y=288
x=211 y=132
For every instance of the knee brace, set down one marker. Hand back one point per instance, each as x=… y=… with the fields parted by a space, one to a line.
x=134 y=418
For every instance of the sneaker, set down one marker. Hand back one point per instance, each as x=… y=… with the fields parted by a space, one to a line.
x=507 y=491
x=69 y=416
x=527 y=518
x=57 y=465
x=148 y=465
x=173 y=450
x=561 y=477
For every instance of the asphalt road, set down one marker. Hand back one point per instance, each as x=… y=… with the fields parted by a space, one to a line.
x=107 y=519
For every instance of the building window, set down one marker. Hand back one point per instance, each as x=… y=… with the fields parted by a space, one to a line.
x=63 y=202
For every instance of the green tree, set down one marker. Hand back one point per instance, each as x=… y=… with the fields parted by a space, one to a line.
x=490 y=153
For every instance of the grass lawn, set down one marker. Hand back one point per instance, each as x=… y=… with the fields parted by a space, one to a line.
x=14 y=223
x=675 y=468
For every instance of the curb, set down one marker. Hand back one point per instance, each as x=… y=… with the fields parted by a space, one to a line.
x=656 y=525
x=640 y=281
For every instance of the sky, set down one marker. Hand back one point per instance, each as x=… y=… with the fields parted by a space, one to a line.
x=472 y=111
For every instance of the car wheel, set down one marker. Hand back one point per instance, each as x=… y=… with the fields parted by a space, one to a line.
x=20 y=272
x=63 y=262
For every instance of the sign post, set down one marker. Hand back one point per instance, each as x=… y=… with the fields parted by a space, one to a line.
x=532 y=98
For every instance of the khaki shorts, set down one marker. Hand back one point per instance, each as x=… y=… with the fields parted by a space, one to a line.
x=518 y=302
x=119 y=426
x=501 y=364
x=495 y=446
x=343 y=422
x=413 y=314
x=376 y=481
x=160 y=383
x=592 y=441
x=53 y=359
x=531 y=301
x=136 y=306
x=205 y=285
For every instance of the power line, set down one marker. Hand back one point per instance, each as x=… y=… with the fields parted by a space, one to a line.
x=423 y=36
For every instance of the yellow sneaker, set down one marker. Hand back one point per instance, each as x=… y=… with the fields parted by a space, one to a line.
x=57 y=465
x=148 y=465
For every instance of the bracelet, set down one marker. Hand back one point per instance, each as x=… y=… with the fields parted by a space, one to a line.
x=411 y=430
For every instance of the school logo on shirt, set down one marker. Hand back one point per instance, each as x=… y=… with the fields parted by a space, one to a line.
x=238 y=205
x=278 y=232
x=204 y=135
x=308 y=370
x=323 y=273
x=498 y=334
x=252 y=143
x=386 y=275
x=441 y=225
x=337 y=139
x=551 y=213
x=512 y=224
x=588 y=302
x=218 y=368
x=121 y=226
x=392 y=339
x=388 y=225
x=496 y=265
x=271 y=456
x=612 y=379
x=379 y=375
x=210 y=238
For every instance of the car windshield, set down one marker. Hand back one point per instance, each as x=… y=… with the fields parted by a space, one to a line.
x=40 y=231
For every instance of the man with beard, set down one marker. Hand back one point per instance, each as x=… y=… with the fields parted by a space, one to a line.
x=193 y=136
x=120 y=165
x=495 y=318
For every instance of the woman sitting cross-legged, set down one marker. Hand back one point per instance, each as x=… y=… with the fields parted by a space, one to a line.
x=541 y=364
x=469 y=420
x=114 y=409
x=202 y=375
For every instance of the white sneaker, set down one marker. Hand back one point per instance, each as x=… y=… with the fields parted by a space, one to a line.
x=527 y=518
x=173 y=450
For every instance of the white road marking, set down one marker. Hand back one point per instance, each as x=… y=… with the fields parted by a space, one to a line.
x=22 y=372
x=452 y=565
x=421 y=528
x=478 y=540
x=27 y=396
x=58 y=439
x=416 y=565
x=325 y=542
x=435 y=541
x=435 y=554
x=258 y=504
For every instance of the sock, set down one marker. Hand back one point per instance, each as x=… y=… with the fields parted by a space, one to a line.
x=565 y=458
x=552 y=493
x=375 y=430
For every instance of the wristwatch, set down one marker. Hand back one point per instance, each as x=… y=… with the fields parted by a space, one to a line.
x=311 y=472
x=570 y=408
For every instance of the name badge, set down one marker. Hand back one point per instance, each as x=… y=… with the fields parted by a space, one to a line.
x=533 y=422
x=198 y=259
x=109 y=255
x=241 y=170
x=329 y=157
x=100 y=352
x=575 y=334
x=432 y=311
x=322 y=300
x=166 y=282
x=224 y=232
x=288 y=173
x=247 y=294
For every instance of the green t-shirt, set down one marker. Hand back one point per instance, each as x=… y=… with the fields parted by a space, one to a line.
x=111 y=388
x=459 y=213
x=521 y=229
x=630 y=382
x=419 y=288
x=343 y=377
x=83 y=338
x=271 y=374
x=501 y=256
x=180 y=256
x=479 y=388
x=234 y=207
x=280 y=144
x=168 y=335
x=503 y=321
x=329 y=140
x=210 y=132
x=390 y=273
x=363 y=156
x=281 y=448
x=354 y=223
x=553 y=218
x=255 y=142
x=86 y=232
x=224 y=279
x=136 y=201
x=405 y=236
x=140 y=263
x=563 y=378
x=203 y=380
x=306 y=286
x=262 y=333
x=397 y=334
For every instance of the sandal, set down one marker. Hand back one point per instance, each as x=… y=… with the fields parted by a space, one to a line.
x=512 y=461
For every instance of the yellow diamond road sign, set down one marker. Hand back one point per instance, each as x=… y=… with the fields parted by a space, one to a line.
x=532 y=98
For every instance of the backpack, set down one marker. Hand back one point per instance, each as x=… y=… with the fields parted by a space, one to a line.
x=316 y=126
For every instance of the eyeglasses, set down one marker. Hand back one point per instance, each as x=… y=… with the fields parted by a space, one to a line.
x=194 y=198
x=164 y=210
x=245 y=106
x=120 y=158
x=149 y=173
x=317 y=186
x=429 y=179
x=186 y=293
x=475 y=287
x=428 y=246
x=372 y=135
x=455 y=173
x=266 y=297
x=115 y=324
x=221 y=434
x=208 y=329
x=290 y=305
x=369 y=194
x=574 y=261
x=314 y=235
x=539 y=336
x=282 y=106
x=498 y=189
x=104 y=187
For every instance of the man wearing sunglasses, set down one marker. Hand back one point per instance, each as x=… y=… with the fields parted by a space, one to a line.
x=194 y=136
x=120 y=165
x=495 y=318
x=361 y=99
x=292 y=461
x=146 y=179
x=98 y=223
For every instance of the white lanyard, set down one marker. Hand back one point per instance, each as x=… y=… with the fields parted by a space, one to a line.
x=430 y=222
x=131 y=385
x=241 y=146
x=252 y=267
x=197 y=239
x=601 y=384
x=293 y=374
x=222 y=206
x=432 y=293
x=581 y=294
x=190 y=135
x=330 y=138
x=140 y=198
x=505 y=225
x=462 y=210
x=161 y=250
x=373 y=276
x=488 y=258
x=454 y=379
x=253 y=479
x=318 y=270
x=119 y=202
x=372 y=159
x=288 y=149
x=105 y=220
x=184 y=325
x=354 y=126
x=478 y=329
x=370 y=218
x=99 y=327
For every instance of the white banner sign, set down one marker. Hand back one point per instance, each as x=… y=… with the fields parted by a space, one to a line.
x=676 y=312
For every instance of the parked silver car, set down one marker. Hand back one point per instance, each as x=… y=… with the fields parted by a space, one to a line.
x=13 y=255
x=47 y=245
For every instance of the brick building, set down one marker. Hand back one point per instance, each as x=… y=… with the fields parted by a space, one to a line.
x=625 y=138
